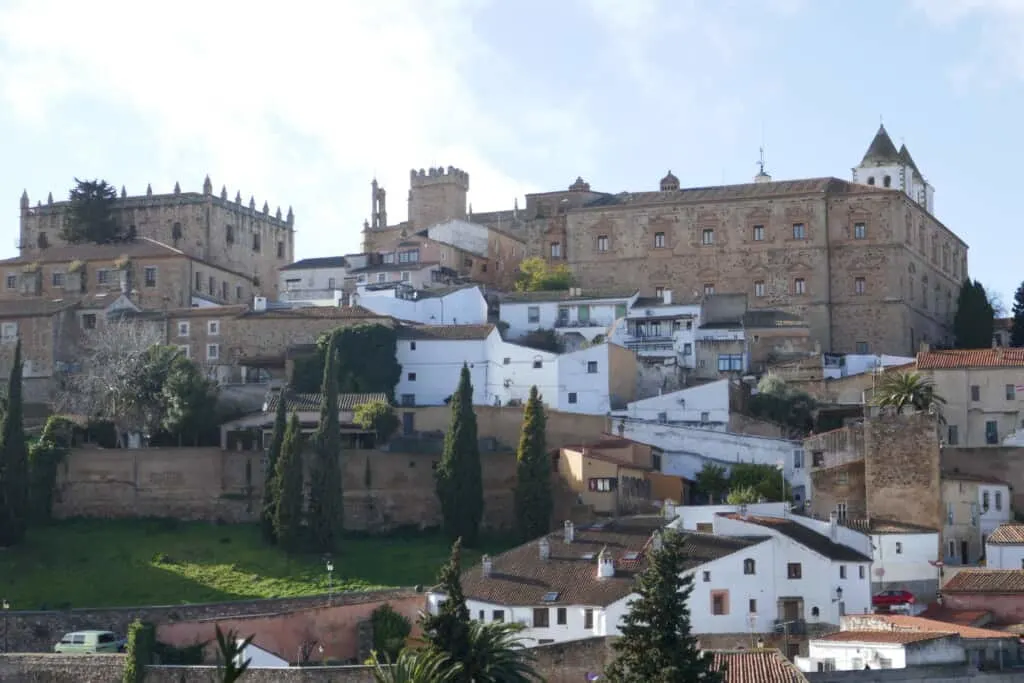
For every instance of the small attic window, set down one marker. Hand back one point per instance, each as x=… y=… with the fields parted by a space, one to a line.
x=871 y=180
x=550 y=597
x=887 y=181
x=589 y=556
x=631 y=555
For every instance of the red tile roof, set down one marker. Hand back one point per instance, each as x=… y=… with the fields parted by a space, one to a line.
x=1011 y=533
x=756 y=666
x=970 y=358
x=903 y=622
x=963 y=617
x=893 y=637
x=986 y=581
x=980 y=478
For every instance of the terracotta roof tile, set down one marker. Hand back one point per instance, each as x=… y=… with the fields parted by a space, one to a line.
x=311 y=402
x=970 y=358
x=986 y=581
x=520 y=577
x=903 y=622
x=756 y=666
x=805 y=536
x=895 y=637
x=1011 y=533
x=963 y=617
x=446 y=332
x=980 y=478
x=886 y=526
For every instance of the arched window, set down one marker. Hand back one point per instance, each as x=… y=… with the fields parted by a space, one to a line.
x=815 y=612
x=871 y=180
x=887 y=181
x=749 y=566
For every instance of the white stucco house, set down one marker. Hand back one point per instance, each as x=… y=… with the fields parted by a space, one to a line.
x=457 y=305
x=994 y=507
x=584 y=313
x=1004 y=547
x=860 y=650
x=313 y=281
x=835 y=366
x=705 y=404
x=904 y=556
x=591 y=380
x=658 y=328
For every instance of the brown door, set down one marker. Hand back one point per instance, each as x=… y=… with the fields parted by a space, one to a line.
x=964 y=552
x=790 y=610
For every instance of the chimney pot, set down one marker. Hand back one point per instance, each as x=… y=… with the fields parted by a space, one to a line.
x=486 y=565
x=569 y=530
x=545 y=548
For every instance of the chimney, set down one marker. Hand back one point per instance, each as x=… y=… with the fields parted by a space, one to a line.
x=743 y=511
x=486 y=565
x=657 y=541
x=605 y=565
x=259 y=304
x=570 y=531
x=833 y=525
x=545 y=548
x=925 y=347
x=666 y=296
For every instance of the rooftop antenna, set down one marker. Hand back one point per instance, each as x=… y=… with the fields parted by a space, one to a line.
x=760 y=162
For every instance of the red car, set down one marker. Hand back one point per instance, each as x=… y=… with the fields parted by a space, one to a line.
x=889 y=598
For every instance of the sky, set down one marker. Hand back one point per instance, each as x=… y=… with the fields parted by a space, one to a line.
x=303 y=103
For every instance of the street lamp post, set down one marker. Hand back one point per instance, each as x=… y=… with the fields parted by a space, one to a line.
x=6 y=607
x=330 y=580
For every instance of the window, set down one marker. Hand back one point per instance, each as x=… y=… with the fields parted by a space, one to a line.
x=406 y=275
x=730 y=362
x=588 y=618
x=887 y=181
x=951 y=550
x=212 y=351
x=572 y=397
x=707 y=236
x=538 y=363
x=556 y=250
x=799 y=231
x=799 y=286
x=954 y=435
x=412 y=346
x=860 y=285
x=224 y=290
x=759 y=288
x=560 y=616
x=759 y=233
x=211 y=284
x=229 y=234
x=999 y=500
x=1011 y=392
x=862 y=347
x=498 y=615
x=411 y=376
x=58 y=278
x=705 y=417
x=541 y=617
x=213 y=328
x=794 y=570
x=798 y=459
x=149 y=276
x=102 y=276
x=506 y=361
x=183 y=329
x=991 y=433
x=533 y=314
x=185 y=350
x=707 y=575
x=843 y=477
x=12 y=282
x=752 y=606
x=975 y=392
x=238 y=292
x=687 y=349
x=709 y=289
x=749 y=566
x=408 y=399
x=861 y=570
x=382 y=277
x=89 y=321
x=842 y=571
x=719 y=603
x=659 y=292
x=602 y=243
x=602 y=484
x=949 y=514
x=255 y=241
x=199 y=282
x=659 y=240
x=841 y=511
x=860 y=231
x=871 y=180
x=592 y=367
x=280 y=250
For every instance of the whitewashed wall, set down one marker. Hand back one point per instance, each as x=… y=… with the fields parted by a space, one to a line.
x=710 y=401
x=461 y=307
x=1004 y=556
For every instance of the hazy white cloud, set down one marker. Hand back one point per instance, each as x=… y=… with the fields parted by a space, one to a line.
x=299 y=102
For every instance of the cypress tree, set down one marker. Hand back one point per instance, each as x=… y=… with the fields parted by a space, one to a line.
x=974 y=322
x=657 y=643
x=288 y=497
x=1017 y=326
x=326 y=508
x=270 y=480
x=533 y=504
x=458 y=476
x=447 y=632
x=14 y=475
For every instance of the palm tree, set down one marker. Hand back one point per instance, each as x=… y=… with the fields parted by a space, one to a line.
x=497 y=655
x=414 y=666
x=911 y=390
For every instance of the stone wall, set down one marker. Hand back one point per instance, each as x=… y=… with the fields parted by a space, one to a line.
x=558 y=663
x=505 y=424
x=1003 y=462
x=901 y=469
x=36 y=631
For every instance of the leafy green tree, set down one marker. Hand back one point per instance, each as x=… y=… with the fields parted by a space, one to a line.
x=713 y=482
x=447 y=632
x=230 y=665
x=90 y=216
x=366 y=361
x=777 y=402
x=458 y=475
x=270 y=478
x=657 y=643
x=743 y=496
x=138 y=651
x=390 y=630
x=1017 y=326
x=533 y=499
x=974 y=322
x=188 y=400
x=14 y=471
x=377 y=416
x=901 y=390
x=44 y=456
x=766 y=481
x=414 y=666
x=288 y=478
x=326 y=502
x=536 y=275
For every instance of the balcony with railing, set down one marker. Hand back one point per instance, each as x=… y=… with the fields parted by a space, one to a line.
x=324 y=294
x=565 y=323
x=651 y=346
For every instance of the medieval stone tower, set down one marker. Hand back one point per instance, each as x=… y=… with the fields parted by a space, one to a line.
x=437 y=195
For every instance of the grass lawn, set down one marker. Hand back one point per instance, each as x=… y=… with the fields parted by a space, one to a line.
x=91 y=563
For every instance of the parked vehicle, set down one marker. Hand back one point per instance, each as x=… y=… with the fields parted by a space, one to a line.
x=89 y=642
x=892 y=597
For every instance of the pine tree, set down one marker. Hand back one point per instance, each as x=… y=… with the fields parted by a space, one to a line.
x=657 y=645
x=533 y=503
x=447 y=632
x=974 y=322
x=326 y=505
x=288 y=497
x=1017 y=327
x=14 y=473
x=270 y=482
x=459 y=480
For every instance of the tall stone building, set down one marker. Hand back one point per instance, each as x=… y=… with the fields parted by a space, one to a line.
x=865 y=262
x=227 y=235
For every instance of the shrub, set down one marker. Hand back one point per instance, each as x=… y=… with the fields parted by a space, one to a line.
x=141 y=642
x=390 y=629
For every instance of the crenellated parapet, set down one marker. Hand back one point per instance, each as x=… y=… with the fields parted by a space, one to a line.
x=439 y=176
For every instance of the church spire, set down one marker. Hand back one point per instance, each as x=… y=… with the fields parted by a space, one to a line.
x=881 y=151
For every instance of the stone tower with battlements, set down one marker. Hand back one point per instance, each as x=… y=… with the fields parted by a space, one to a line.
x=437 y=195
x=226 y=233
